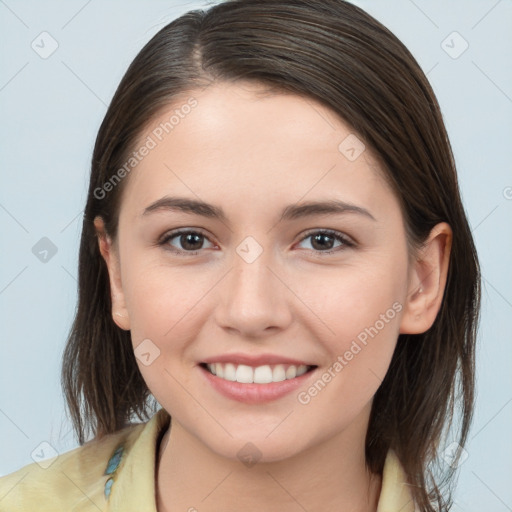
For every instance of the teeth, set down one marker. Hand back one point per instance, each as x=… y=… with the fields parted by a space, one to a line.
x=244 y=374
x=301 y=370
x=278 y=373
x=229 y=372
x=262 y=374
x=291 y=372
x=259 y=375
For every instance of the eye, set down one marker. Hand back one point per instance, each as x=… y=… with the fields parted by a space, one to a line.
x=323 y=240
x=191 y=241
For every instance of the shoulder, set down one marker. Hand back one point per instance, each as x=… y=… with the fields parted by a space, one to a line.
x=73 y=480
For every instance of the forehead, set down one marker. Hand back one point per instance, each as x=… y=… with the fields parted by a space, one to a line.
x=237 y=140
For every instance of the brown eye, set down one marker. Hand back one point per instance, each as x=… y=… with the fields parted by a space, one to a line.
x=323 y=241
x=188 y=241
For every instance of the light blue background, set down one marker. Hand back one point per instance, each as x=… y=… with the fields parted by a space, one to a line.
x=51 y=110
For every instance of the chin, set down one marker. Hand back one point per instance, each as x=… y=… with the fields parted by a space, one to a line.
x=256 y=447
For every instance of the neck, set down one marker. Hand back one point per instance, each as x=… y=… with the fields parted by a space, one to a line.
x=329 y=477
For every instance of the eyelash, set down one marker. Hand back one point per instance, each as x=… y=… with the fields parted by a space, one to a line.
x=334 y=234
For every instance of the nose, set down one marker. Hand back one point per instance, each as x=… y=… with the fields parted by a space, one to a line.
x=254 y=302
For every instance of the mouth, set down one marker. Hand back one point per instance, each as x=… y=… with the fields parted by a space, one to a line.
x=264 y=374
x=256 y=378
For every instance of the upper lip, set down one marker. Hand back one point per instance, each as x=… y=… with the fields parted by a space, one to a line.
x=255 y=360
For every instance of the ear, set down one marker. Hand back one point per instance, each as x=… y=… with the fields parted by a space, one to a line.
x=427 y=281
x=111 y=257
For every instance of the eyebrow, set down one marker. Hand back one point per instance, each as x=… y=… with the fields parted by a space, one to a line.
x=290 y=212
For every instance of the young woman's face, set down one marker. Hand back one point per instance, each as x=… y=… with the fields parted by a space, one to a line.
x=262 y=285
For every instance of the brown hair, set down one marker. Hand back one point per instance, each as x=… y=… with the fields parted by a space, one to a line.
x=335 y=53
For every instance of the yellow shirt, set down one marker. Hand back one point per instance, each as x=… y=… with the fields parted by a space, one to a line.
x=117 y=474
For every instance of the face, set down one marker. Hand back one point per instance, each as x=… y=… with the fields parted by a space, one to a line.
x=257 y=280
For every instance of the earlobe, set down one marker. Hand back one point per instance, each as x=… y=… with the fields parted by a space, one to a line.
x=109 y=254
x=427 y=281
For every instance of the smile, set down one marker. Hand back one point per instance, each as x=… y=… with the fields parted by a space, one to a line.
x=264 y=374
x=256 y=384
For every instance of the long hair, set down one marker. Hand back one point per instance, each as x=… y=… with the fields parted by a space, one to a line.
x=335 y=53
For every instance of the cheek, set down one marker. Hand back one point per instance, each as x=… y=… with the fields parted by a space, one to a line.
x=161 y=300
x=163 y=305
x=353 y=298
x=362 y=311
x=359 y=358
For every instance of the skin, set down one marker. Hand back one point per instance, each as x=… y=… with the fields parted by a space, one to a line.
x=253 y=154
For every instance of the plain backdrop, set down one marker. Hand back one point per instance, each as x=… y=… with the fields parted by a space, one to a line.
x=52 y=101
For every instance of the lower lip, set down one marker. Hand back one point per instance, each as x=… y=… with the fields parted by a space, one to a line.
x=255 y=393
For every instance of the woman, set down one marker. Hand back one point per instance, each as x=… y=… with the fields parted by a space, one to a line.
x=274 y=249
